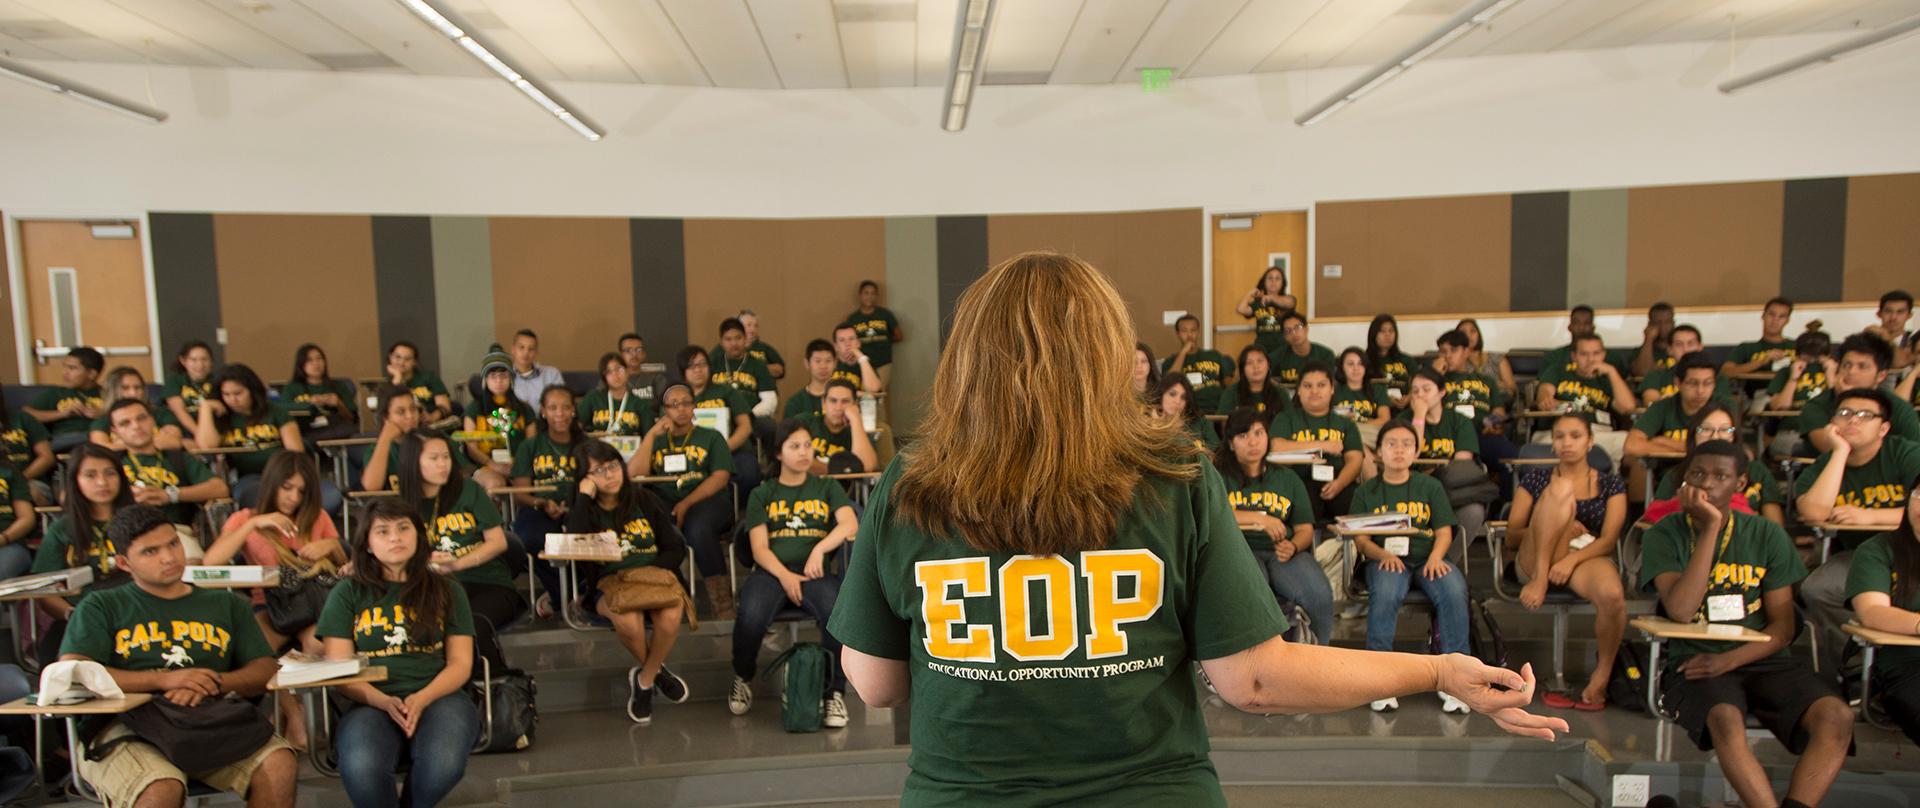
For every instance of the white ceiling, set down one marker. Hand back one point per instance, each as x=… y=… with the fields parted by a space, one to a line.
x=871 y=43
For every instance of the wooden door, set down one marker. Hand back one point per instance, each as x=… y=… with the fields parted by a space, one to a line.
x=84 y=287
x=1241 y=256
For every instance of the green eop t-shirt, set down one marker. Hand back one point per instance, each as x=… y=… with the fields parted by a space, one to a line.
x=1762 y=488
x=1872 y=571
x=632 y=415
x=1287 y=364
x=797 y=516
x=130 y=629
x=1360 y=405
x=748 y=375
x=546 y=461
x=191 y=393
x=259 y=433
x=161 y=469
x=1878 y=483
x=1278 y=493
x=23 y=431
x=389 y=635
x=702 y=452
x=1454 y=433
x=842 y=370
x=876 y=334
x=460 y=528
x=1812 y=382
x=1212 y=368
x=51 y=398
x=1754 y=558
x=1062 y=679
x=1421 y=497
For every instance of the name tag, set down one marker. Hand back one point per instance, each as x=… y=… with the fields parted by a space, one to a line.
x=1465 y=410
x=1196 y=379
x=1398 y=545
x=674 y=464
x=1781 y=363
x=1393 y=393
x=1726 y=608
x=502 y=456
x=1581 y=542
x=1603 y=418
x=1322 y=473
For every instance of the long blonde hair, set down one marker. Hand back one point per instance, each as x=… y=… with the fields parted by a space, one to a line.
x=1034 y=441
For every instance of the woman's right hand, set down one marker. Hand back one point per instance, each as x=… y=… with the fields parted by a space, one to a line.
x=393 y=375
x=791 y=583
x=396 y=709
x=1390 y=563
x=392 y=432
x=587 y=488
x=1472 y=681
x=1274 y=528
x=272 y=522
x=660 y=427
x=213 y=405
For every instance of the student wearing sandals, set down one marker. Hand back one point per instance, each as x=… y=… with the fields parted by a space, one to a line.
x=1565 y=523
x=96 y=489
x=1263 y=305
x=606 y=501
x=323 y=403
x=1311 y=425
x=466 y=532
x=700 y=465
x=1883 y=585
x=795 y=523
x=29 y=447
x=613 y=408
x=1715 y=422
x=285 y=529
x=403 y=370
x=126 y=383
x=1256 y=387
x=546 y=460
x=190 y=383
x=1146 y=372
x=1393 y=563
x=239 y=414
x=1175 y=399
x=403 y=616
x=1274 y=501
x=498 y=410
x=1386 y=361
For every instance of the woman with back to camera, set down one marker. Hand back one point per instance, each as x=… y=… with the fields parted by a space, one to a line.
x=1107 y=503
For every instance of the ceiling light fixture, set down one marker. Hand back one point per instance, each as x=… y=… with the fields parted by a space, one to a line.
x=451 y=26
x=969 y=53
x=1469 y=18
x=1824 y=55
x=54 y=83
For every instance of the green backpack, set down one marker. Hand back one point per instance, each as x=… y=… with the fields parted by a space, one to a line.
x=808 y=666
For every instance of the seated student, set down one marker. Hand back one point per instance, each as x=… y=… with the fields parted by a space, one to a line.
x=758 y=348
x=94 y=490
x=401 y=615
x=701 y=465
x=1655 y=351
x=795 y=523
x=29 y=447
x=69 y=409
x=1864 y=362
x=1175 y=400
x=404 y=371
x=190 y=383
x=1388 y=560
x=1662 y=382
x=852 y=363
x=324 y=404
x=1470 y=388
x=1313 y=425
x=1593 y=387
x=1666 y=423
x=127 y=383
x=399 y=414
x=1488 y=364
x=546 y=459
x=1579 y=324
x=1860 y=481
x=732 y=365
x=633 y=351
x=1896 y=307
x=878 y=330
x=497 y=409
x=1711 y=564
x=1444 y=433
x=605 y=500
x=695 y=371
x=17 y=514
x=820 y=361
x=1883 y=584
x=529 y=376
x=1906 y=391
x=284 y=529
x=1205 y=369
x=1274 y=501
x=170 y=479
x=1358 y=398
x=204 y=644
x=615 y=408
x=1714 y=421
x=1255 y=388
x=1146 y=373
x=239 y=414
x=1385 y=360
x=1566 y=521
x=466 y=531
x=1263 y=305
x=1771 y=351
x=1805 y=374
x=1292 y=358
x=837 y=430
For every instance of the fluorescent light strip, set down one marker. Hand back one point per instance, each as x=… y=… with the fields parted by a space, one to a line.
x=79 y=92
x=449 y=25
x=1824 y=55
x=1469 y=18
x=969 y=52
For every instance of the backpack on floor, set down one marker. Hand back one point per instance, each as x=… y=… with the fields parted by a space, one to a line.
x=1300 y=628
x=507 y=703
x=1490 y=647
x=808 y=666
x=1628 y=686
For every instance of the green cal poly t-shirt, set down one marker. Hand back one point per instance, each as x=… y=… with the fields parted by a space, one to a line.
x=51 y=398
x=762 y=351
x=1664 y=419
x=191 y=393
x=826 y=444
x=1287 y=364
x=13 y=487
x=1211 y=368
x=389 y=635
x=1360 y=405
x=1061 y=679
x=460 y=528
x=842 y=370
x=876 y=334
x=797 y=516
x=1812 y=382
x=1277 y=493
x=161 y=469
x=546 y=462
x=1872 y=571
x=720 y=395
x=1472 y=390
x=131 y=629
x=801 y=404
x=425 y=386
x=702 y=452
x=639 y=545
x=1661 y=380
x=1397 y=368
x=54 y=547
x=1421 y=497
x=1762 y=488
x=1230 y=401
x=260 y=433
x=632 y=415
x=1266 y=327
x=1296 y=425
x=1453 y=434
x=298 y=396
x=1586 y=393
x=502 y=415
x=1818 y=412
x=23 y=431
x=1755 y=558
x=1878 y=483
x=460 y=459
x=746 y=374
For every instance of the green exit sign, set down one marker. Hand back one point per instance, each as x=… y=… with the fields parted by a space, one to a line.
x=1156 y=79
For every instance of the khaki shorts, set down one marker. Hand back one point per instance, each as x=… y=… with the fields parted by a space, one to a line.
x=132 y=766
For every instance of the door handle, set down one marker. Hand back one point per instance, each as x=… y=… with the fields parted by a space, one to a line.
x=43 y=352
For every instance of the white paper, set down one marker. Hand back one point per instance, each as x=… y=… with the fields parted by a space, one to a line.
x=1196 y=379
x=1394 y=393
x=1398 y=545
x=1781 y=363
x=502 y=456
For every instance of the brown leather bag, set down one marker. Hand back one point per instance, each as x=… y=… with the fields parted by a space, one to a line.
x=644 y=589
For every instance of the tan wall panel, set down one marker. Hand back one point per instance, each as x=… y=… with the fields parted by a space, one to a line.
x=1151 y=257
x=1703 y=245
x=570 y=280
x=1414 y=256
x=1240 y=258
x=287 y=280
x=1883 y=241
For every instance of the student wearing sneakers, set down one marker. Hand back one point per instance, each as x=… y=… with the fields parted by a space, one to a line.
x=837 y=430
x=1255 y=388
x=1084 y=490
x=700 y=466
x=68 y=409
x=606 y=501
x=127 y=383
x=394 y=609
x=1274 y=502
x=1663 y=382
x=820 y=361
x=190 y=646
x=403 y=370
x=1711 y=564
x=1292 y=359
x=546 y=460
x=498 y=410
x=1864 y=362
x=1313 y=425
x=189 y=383
x=170 y=479
x=1393 y=563
x=758 y=348
x=1175 y=400
x=1883 y=586
x=614 y=407
x=795 y=523
x=1205 y=369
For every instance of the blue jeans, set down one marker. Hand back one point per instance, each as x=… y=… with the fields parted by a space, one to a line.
x=15 y=559
x=532 y=525
x=246 y=494
x=761 y=598
x=1387 y=590
x=746 y=470
x=705 y=526
x=371 y=745
x=1300 y=580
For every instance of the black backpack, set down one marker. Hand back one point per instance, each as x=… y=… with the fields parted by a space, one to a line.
x=1628 y=686
x=209 y=735
x=507 y=703
x=1490 y=647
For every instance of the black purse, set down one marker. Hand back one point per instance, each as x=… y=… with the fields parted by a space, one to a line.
x=296 y=602
x=194 y=739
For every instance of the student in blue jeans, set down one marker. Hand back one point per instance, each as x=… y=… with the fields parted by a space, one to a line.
x=1390 y=560
x=402 y=614
x=1274 y=501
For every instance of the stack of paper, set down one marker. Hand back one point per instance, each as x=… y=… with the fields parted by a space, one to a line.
x=602 y=546
x=1294 y=457
x=228 y=575
x=298 y=669
x=1377 y=521
x=58 y=582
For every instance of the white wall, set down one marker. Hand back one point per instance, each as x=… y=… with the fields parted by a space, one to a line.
x=1620 y=330
x=252 y=140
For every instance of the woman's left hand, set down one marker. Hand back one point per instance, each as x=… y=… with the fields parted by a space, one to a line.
x=1560 y=571
x=416 y=704
x=816 y=566
x=1435 y=568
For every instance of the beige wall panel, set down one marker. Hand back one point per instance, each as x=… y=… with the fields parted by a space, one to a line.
x=568 y=279
x=288 y=280
x=1883 y=236
x=1704 y=245
x=1151 y=257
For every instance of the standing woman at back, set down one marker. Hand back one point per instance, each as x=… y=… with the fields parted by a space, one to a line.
x=1107 y=504
x=1264 y=305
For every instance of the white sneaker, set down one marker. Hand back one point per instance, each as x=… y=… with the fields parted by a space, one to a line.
x=1449 y=704
x=741 y=698
x=834 y=711
x=543 y=607
x=1385 y=705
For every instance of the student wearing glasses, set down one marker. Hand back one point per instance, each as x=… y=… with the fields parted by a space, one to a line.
x=1263 y=305
x=633 y=352
x=614 y=407
x=1665 y=383
x=1292 y=358
x=1715 y=421
x=700 y=465
x=1864 y=362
